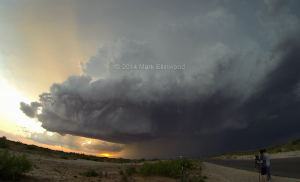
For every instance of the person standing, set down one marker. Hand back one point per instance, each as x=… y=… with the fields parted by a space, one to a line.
x=263 y=165
x=267 y=156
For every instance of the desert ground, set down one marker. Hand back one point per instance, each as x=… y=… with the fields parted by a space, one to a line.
x=48 y=169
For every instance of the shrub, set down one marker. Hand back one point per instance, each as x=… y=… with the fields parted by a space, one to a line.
x=31 y=147
x=90 y=157
x=121 y=160
x=12 y=167
x=3 y=143
x=290 y=148
x=169 y=168
x=100 y=160
x=18 y=143
x=57 y=170
x=45 y=149
x=294 y=142
x=278 y=150
x=63 y=156
x=130 y=171
x=121 y=172
x=124 y=177
x=89 y=173
x=204 y=177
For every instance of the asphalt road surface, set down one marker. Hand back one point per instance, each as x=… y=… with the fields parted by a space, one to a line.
x=289 y=167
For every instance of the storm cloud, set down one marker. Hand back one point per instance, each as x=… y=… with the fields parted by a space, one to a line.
x=30 y=110
x=75 y=143
x=236 y=78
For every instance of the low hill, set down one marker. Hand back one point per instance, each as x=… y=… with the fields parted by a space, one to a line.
x=17 y=146
x=286 y=147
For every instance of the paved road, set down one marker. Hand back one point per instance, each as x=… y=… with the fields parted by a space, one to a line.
x=289 y=167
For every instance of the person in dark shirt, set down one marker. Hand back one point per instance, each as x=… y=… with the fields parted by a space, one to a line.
x=263 y=165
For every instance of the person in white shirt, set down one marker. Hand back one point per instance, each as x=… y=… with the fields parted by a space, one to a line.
x=267 y=156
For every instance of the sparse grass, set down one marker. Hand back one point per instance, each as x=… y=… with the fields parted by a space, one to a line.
x=89 y=173
x=12 y=167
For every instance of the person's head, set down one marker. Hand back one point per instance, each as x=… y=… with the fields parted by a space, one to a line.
x=261 y=152
x=265 y=151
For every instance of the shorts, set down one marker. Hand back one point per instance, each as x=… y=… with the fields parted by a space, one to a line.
x=263 y=171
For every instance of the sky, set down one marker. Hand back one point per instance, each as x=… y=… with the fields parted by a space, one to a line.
x=150 y=79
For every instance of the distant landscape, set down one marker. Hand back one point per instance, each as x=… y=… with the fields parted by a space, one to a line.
x=19 y=161
x=283 y=148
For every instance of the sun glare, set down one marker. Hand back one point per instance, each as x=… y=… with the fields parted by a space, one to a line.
x=50 y=133
x=106 y=155
x=11 y=112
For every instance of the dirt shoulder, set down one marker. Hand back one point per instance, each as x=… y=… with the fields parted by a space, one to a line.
x=217 y=173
